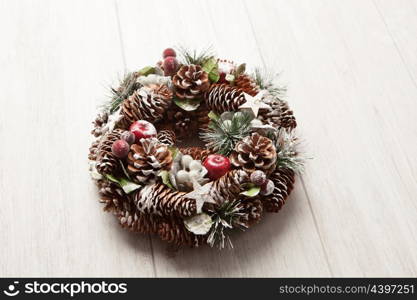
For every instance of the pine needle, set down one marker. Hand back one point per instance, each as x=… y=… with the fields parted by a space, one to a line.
x=288 y=155
x=265 y=80
x=126 y=88
x=192 y=57
x=222 y=135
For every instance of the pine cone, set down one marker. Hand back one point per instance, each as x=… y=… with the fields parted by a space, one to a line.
x=255 y=152
x=283 y=179
x=223 y=97
x=201 y=117
x=167 y=137
x=93 y=150
x=190 y=82
x=98 y=123
x=111 y=195
x=247 y=84
x=279 y=115
x=159 y=199
x=147 y=104
x=287 y=119
x=196 y=153
x=180 y=121
x=252 y=211
x=229 y=186
x=147 y=158
x=131 y=218
x=172 y=230
x=106 y=162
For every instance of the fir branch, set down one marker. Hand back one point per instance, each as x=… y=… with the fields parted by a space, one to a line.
x=265 y=81
x=222 y=135
x=288 y=156
x=126 y=88
x=226 y=217
x=192 y=57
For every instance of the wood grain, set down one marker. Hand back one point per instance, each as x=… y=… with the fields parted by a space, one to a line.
x=351 y=71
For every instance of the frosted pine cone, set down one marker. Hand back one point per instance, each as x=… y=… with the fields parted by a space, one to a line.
x=106 y=162
x=172 y=230
x=283 y=179
x=161 y=200
x=229 y=186
x=167 y=137
x=147 y=158
x=223 y=97
x=190 y=82
x=247 y=84
x=111 y=195
x=147 y=104
x=99 y=123
x=251 y=210
x=196 y=153
x=255 y=152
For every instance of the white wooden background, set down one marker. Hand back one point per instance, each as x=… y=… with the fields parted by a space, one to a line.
x=351 y=69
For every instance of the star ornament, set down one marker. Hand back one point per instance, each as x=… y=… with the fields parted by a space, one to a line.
x=201 y=194
x=255 y=103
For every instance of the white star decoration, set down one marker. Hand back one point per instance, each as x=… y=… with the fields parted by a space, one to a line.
x=201 y=194
x=255 y=103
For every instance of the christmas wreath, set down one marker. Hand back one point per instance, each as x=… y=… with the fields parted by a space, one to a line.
x=156 y=181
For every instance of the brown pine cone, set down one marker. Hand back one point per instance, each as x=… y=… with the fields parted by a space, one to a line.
x=172 y=230
x=279 y=115
x=196 y=153
x=159 y=199
x=93 y=150
x=247 y=84
x=147 y=104
x=147 y=158
x=98 y=123
x=180 y=121
x=111 y=195
x=190 y=82
x=229 y=186
x=167 y=137
x=131 y=218
x=252 y=211
x=106 y=162
x=283 y=179
x=255 y=152
x=201 y=117
x=287 y=119
x=223 y=97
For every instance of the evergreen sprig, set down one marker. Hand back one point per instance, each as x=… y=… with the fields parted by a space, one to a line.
x=288 y=156
x=265 y=81
x=192 y=57
x=222 y=135
x=226 y=217
x=126 y=88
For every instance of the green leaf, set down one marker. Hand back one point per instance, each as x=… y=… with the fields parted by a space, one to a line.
x=127 y=185
x=252 y=191
x=165 y=179
x=213 y=116
x=199 y=224
x=209 y=65
x=187 y=104
x=146 y=71
x=174 y=151
x=214 y=75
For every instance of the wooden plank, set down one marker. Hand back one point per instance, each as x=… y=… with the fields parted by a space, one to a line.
x=56 y=59
x=282 y=245
x=355 y=103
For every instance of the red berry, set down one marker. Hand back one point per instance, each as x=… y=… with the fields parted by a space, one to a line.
x=142 y=129
x=170 y=65
x=169 y=52
x=258 y=178
x=120 y=148
x=128 y=136
x=217 y=165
